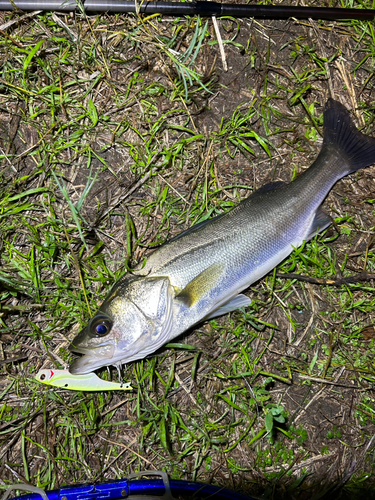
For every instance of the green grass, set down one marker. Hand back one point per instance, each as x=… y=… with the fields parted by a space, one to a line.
x=117 y=133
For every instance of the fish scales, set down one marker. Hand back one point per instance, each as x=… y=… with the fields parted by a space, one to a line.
x=200 y=273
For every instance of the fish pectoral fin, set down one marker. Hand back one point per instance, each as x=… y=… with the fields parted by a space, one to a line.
x=320 y=222
x=238 y=301
x=200 y=285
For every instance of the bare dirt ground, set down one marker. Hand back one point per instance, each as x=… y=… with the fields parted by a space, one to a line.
x=275 y=401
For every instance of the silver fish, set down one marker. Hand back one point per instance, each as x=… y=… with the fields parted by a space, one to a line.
x=199 y=274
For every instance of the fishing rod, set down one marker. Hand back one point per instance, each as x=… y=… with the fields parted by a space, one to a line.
x=200 y=7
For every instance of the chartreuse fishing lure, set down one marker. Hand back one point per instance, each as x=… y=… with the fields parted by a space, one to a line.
x=86 y=382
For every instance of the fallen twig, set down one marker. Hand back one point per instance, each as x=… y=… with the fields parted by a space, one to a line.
x=334 y=282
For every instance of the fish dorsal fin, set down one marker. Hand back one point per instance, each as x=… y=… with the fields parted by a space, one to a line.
x=320 y=222
x=200 y=285
x=196 y=227
x=270 y=186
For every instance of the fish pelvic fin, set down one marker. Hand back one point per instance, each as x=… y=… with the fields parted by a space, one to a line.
x=238 y=301
x=200 y=285
x=340 y=131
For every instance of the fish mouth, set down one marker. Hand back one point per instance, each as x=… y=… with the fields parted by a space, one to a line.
x=104 y=355
x=86 y=364
x=104 y=349
x=92 y=359
x=80 y=350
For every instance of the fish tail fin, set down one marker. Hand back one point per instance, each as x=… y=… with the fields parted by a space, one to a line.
x=340 y=131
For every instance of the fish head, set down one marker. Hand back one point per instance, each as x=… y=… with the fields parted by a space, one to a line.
x=133 y=321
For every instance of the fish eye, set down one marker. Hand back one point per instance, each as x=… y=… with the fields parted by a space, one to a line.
x=100 y=325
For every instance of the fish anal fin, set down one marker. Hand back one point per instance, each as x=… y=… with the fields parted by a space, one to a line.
x=238 y=301
x=321 y=221
x=200 y=285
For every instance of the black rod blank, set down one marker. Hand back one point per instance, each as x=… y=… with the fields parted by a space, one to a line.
x=201 y=7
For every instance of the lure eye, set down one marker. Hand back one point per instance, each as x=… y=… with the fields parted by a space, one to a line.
x=100 y=326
